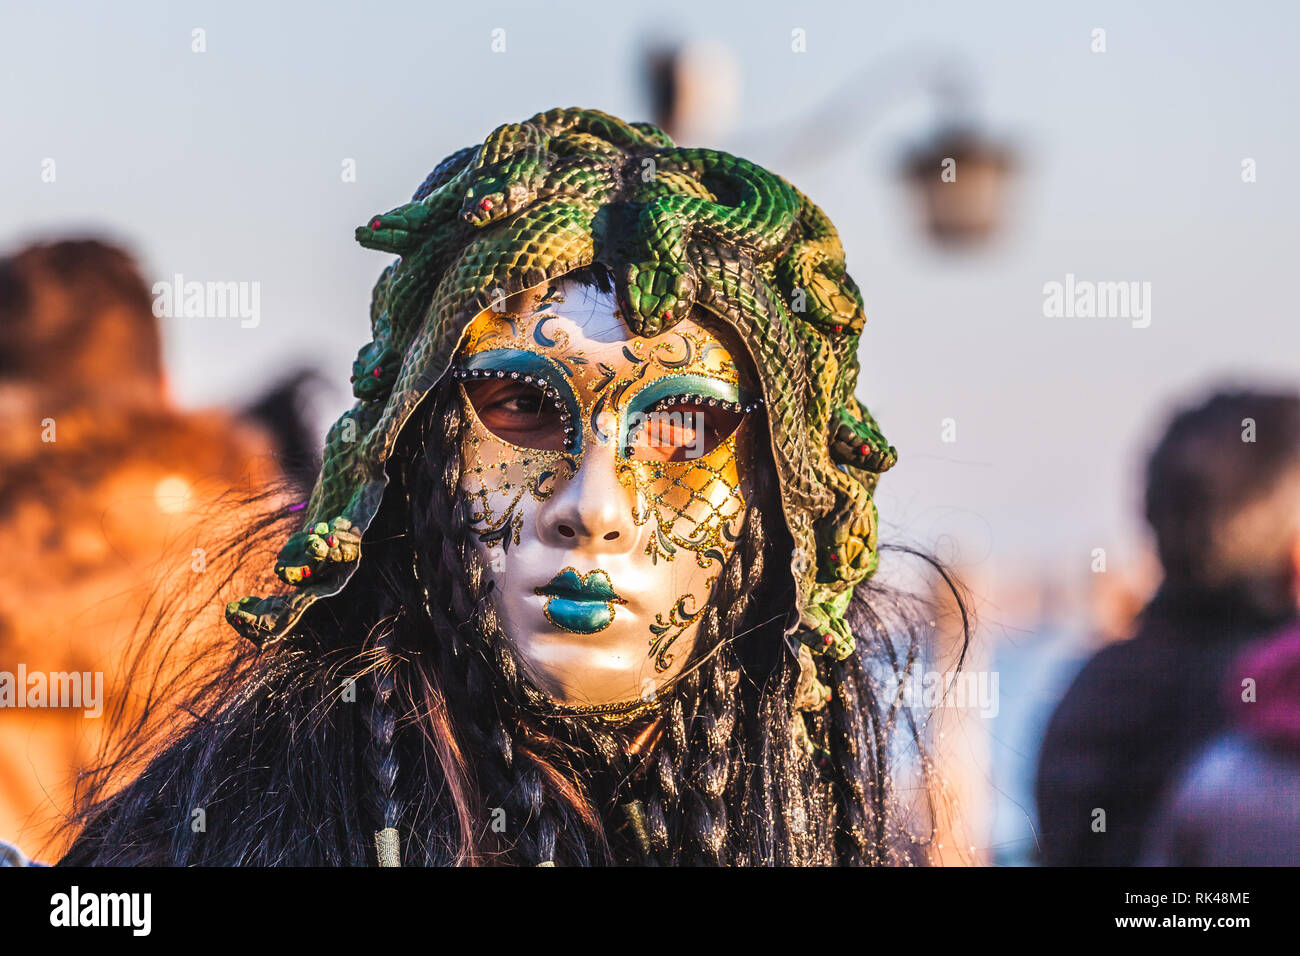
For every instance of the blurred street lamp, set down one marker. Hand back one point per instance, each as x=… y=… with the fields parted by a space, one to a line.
x=959 y=177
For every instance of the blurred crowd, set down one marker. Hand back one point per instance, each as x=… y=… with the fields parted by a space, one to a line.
x=1180 y=745
x=111 y=499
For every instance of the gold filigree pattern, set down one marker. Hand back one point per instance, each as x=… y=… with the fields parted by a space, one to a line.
x=498 y=474
x=664 y=633
x=695 y=502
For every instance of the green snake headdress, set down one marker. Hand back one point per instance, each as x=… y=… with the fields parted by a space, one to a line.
x=677 y=228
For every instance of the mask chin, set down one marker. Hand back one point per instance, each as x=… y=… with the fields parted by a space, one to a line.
x=621 y=709
x=578 y=678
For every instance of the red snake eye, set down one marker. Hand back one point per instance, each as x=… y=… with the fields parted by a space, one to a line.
x=485 y=205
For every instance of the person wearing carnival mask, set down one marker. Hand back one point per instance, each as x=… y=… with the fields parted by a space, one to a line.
x=584 y=577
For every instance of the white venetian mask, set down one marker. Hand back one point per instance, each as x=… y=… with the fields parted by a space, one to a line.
x=606 y=475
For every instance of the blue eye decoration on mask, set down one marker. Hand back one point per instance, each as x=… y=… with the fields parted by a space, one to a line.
x=535 y=370
x=690 y=389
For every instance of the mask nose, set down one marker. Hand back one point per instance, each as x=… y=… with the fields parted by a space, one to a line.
x=590 y=510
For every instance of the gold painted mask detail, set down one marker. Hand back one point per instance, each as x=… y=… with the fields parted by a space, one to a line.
x=569 y=415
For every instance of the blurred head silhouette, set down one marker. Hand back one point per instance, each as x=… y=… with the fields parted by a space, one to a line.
x=1223 y=498
x=104 y=488
x=76 y=317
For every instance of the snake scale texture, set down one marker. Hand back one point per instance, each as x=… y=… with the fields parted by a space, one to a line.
x=678 y=228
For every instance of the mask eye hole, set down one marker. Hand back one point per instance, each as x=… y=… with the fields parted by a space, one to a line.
x=681 y=429
x=518 y=413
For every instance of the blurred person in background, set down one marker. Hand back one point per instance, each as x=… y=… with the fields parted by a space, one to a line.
x=105 y=489
x=1238 y=802
x=1223 y=500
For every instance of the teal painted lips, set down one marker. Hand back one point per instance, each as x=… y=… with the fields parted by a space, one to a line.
x=583 y=605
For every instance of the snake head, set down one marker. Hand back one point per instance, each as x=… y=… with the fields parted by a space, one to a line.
x=307 y=552
x=399 y=230
x=819 y=291
x=843 y=549
x=256 y=618
x=484 y=202
x=859 y=442
x=826 y=632
x=495 y=197
x=375 y=370
x=656 y=296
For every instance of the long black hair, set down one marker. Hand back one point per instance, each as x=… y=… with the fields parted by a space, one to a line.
x=400 y=704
